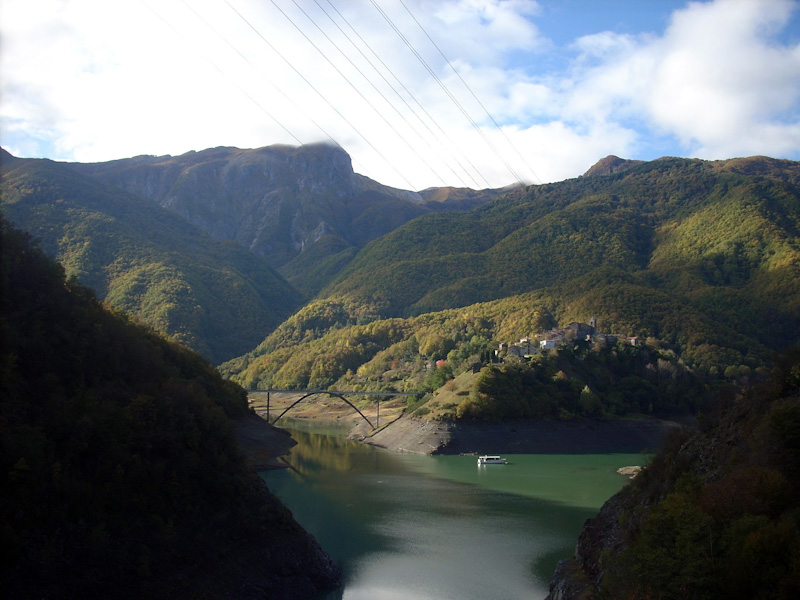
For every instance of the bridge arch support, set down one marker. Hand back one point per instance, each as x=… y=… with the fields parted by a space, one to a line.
x=314 y=393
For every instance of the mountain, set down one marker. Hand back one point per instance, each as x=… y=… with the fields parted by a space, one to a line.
x=214 y=296
x=552 y=234
x=120 y=474
x=611 y=164
x=301 y=208
x=634 y=248
x=702 y=257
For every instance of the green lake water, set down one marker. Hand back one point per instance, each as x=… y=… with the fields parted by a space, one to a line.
x=407 y=527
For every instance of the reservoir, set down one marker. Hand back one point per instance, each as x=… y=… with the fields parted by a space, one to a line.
x=413 y=527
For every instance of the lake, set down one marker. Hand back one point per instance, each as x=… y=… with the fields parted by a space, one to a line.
x=409 y=527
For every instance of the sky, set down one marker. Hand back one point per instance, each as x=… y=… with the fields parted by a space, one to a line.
x=420 y=93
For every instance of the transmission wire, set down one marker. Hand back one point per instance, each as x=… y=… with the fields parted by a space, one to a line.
x=276 y=88
x=388 y=83
x=446 y=91
x=500 y=129
x=410 y=94
x=224 y=74
x=311 y=85
x=372 y=106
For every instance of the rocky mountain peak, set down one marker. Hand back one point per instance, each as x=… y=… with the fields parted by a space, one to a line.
x=611 y=164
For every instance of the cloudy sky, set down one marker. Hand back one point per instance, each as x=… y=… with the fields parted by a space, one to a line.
x=420 y=93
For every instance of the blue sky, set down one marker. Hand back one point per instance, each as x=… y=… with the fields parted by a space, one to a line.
x=420 y=93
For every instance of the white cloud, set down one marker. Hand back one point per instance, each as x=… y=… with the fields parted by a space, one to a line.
x=721 y=84
x=93 y=80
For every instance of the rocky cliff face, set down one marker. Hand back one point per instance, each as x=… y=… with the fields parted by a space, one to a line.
x=279 y=201
x=580 y=576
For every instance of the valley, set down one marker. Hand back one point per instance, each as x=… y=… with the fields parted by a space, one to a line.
x=642 y=305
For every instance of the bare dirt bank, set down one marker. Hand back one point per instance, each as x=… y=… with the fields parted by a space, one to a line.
x=408 y=434
x=264 y=444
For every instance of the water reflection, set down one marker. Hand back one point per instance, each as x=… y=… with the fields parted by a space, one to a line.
x=434 y=527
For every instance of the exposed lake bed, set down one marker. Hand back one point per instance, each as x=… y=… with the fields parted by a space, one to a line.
x=407 y=434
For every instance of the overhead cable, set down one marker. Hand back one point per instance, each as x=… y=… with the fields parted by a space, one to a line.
x=352 y=85
x=446 y=91
x=388 y=83
x=226 y=76
x=422 y=121
x=274 y=87
x=324 y=99
x=500 y=129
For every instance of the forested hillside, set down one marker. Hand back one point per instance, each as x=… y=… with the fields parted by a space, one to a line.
x=715 y=514
x=213 y=296
x=316 y=349
x=119 y=471
x=698 y=230
x=703 y=258
x=303 y=209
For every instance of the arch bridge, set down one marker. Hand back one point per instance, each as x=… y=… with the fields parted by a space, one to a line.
x=333 y=393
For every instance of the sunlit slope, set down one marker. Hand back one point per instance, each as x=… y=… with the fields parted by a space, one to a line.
x=213 y=296
x=703 y=256
x=555 y=233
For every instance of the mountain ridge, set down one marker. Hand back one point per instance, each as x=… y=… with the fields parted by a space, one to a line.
x=698 y=255
x=281 y=201
x=212 y=295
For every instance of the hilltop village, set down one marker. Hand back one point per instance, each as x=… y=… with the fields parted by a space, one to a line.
x=555 y=337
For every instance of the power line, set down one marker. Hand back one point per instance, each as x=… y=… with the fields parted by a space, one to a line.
x=324 y=99
x=388 y=83
x=446 y=90
x=224 y=74
x=427 y=67
x=409 y=93
x=500 y=129
x=385 y=120
x=249 y=62
x=400 y=135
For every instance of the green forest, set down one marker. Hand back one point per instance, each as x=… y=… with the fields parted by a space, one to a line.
x=716 y=512
x=120 y=475
x=700 y=258
x=212 y=296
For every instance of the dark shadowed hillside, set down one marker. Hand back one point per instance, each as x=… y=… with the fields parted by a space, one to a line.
x=714 y=515
x=119 y=471
x=214 y=296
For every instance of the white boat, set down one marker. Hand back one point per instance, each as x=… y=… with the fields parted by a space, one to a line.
x=492 y=460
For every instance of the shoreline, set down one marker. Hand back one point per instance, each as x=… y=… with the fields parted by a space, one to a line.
x=522 y=436
x=264 y=445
